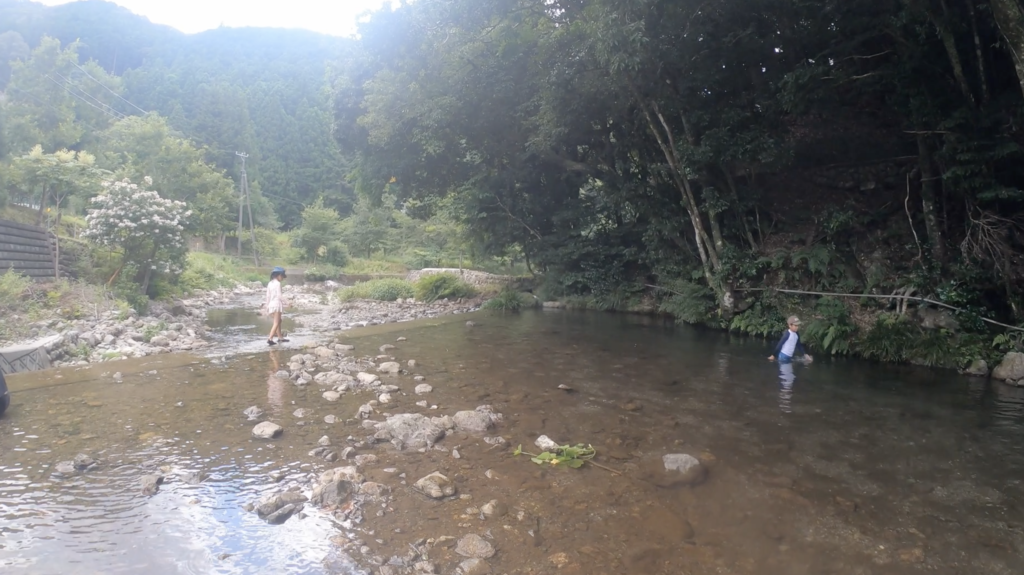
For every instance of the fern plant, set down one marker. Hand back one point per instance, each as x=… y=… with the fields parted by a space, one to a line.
x=890 y=340
x=833 y=332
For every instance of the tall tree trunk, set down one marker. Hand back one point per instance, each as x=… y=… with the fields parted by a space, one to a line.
x=1009 y=17
x=42 y=205
x=979 y=53
x=929 y=177
x=716 y=233
x=731 y=181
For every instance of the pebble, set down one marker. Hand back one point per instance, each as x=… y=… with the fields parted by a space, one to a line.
x=330 y=419
x=424 y=388
x=267 y=430
x=324 y=441
x=474 y=546
x=474 y=566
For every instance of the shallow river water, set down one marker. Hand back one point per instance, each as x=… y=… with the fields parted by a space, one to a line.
x=836 y=467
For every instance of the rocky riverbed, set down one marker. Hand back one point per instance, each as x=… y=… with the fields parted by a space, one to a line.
x=181 y=325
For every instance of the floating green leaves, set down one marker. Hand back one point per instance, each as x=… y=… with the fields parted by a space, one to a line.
x=566 y=455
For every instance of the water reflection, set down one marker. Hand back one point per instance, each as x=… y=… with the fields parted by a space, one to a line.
x=786 y=380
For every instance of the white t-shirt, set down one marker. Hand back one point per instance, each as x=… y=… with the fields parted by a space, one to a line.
x=274 y=300
x=789 y=348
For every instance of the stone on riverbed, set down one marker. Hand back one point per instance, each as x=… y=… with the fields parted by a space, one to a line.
x=366 y=378
x=412 y=429
x=252 y=412
x=474 y=567
x=83 y=462
x=683 y=469
x=474 y=546
x=423 y=388
x=324 y=441
x=494 y=508
x=349 y=473
x=332 y=395
x=150 y=484
x=271 y=504
x=267 y=430
x=332 y=494
x=546 y=443
x=389 y=367
x=478 y=421
x=435 y=486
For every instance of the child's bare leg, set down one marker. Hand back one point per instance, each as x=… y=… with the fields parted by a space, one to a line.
x=277 y=326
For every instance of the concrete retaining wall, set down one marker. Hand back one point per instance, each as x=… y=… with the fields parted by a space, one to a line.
x=29 y=250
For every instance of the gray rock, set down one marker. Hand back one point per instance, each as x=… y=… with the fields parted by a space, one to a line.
x=150 y=484
x=83 y=462
x=474 y=546
x=324 y=441
x=302 y=412
x=384 y=398
x=684 y=469
x=366 y=378
x=374 y=490
x=281 y=515
x=364 y=459
x=494 y=508
x=932 y=318
x=350 y=474
x=474 y=566
x=270 y=504
x=160 y=341
x=412 y=429
x=267 y=430
x=330 y=419
x=473 y=421
x=1011 y=368
x=435 y=486
x=252 y=412
x=332 y=494
x=411 y=363
x=65 y=467
x=389 y=367
x=546 y=443
x=423 y=388
x=978 y=368
x=332 y=395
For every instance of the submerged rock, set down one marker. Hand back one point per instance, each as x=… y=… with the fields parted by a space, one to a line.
x=271 y=504
x=331 y=395
x=150 y=484
x=83 y=462
x=474 y=546
x=412 y=429
x=252 y=412
x=267 y=430
x=478 y=421
x=978 y=368
x=389 y=367
x=332 y=494
x=474 y=566
x=435 y=486
x=683 y=469
x=423 y=388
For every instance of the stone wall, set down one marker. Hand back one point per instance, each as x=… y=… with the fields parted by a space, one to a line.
x=473 y=278
x=26 y=249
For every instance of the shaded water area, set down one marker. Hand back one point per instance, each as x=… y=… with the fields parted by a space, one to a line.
x=836 y=467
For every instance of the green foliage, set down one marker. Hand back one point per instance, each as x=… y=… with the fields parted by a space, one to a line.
x=320 y=237
x=563 y=455
x=153 y=330
x=360 y=266
x=434 y=287
x=386 y=289
x=322 y=273
x=13 y=289
x=833 y=330
x=890 y=340
x=763 y=319
x=689 y=302
x=934 y=348
x=509 y=300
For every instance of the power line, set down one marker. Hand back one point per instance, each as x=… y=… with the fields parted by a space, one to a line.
x=68 y=90
x=54 y=108
x=108 y=89
x=69 y=82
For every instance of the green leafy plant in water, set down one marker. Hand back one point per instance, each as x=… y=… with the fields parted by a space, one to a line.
x=565 y=455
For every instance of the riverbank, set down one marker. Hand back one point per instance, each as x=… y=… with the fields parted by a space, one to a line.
x=180 y=325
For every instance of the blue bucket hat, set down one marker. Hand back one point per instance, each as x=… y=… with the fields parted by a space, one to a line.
x=276 y=271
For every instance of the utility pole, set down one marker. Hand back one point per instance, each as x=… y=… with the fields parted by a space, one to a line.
x=244 y=200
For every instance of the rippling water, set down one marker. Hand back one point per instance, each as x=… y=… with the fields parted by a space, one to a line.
x=836 y=467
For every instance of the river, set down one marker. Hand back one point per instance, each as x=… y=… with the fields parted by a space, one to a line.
x=836 y=467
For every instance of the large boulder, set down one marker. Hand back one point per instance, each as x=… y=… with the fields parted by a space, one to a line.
x=1011 y=368
x=412 y=429
x=978 y=368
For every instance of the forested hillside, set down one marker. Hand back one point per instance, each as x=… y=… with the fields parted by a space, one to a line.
x=259 y=91
x=715 y=148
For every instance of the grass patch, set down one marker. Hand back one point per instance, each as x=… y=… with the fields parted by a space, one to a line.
x=205 y=271
x=510 y=300
x=362 y=266
x=442 y=286
x=387 y=289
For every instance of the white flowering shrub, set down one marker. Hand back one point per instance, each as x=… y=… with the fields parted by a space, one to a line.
x=145 y=227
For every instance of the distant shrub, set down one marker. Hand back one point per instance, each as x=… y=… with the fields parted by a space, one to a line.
x=890 y=340
x=441 y=286
x=388 y=289
x=834 y=331
x=689 y=302
x=13 y=289
x=322 y=273
x=510 y=300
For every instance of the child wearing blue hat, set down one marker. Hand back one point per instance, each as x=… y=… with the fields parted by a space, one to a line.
x=275 y=304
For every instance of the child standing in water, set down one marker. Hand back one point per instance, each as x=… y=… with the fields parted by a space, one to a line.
x=789 y=345
x=275 y=304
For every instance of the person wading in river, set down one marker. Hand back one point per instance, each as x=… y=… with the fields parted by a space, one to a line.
x=789 y=344
x=274 y=305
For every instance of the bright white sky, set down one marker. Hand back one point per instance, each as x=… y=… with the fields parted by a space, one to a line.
x=335 y=17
